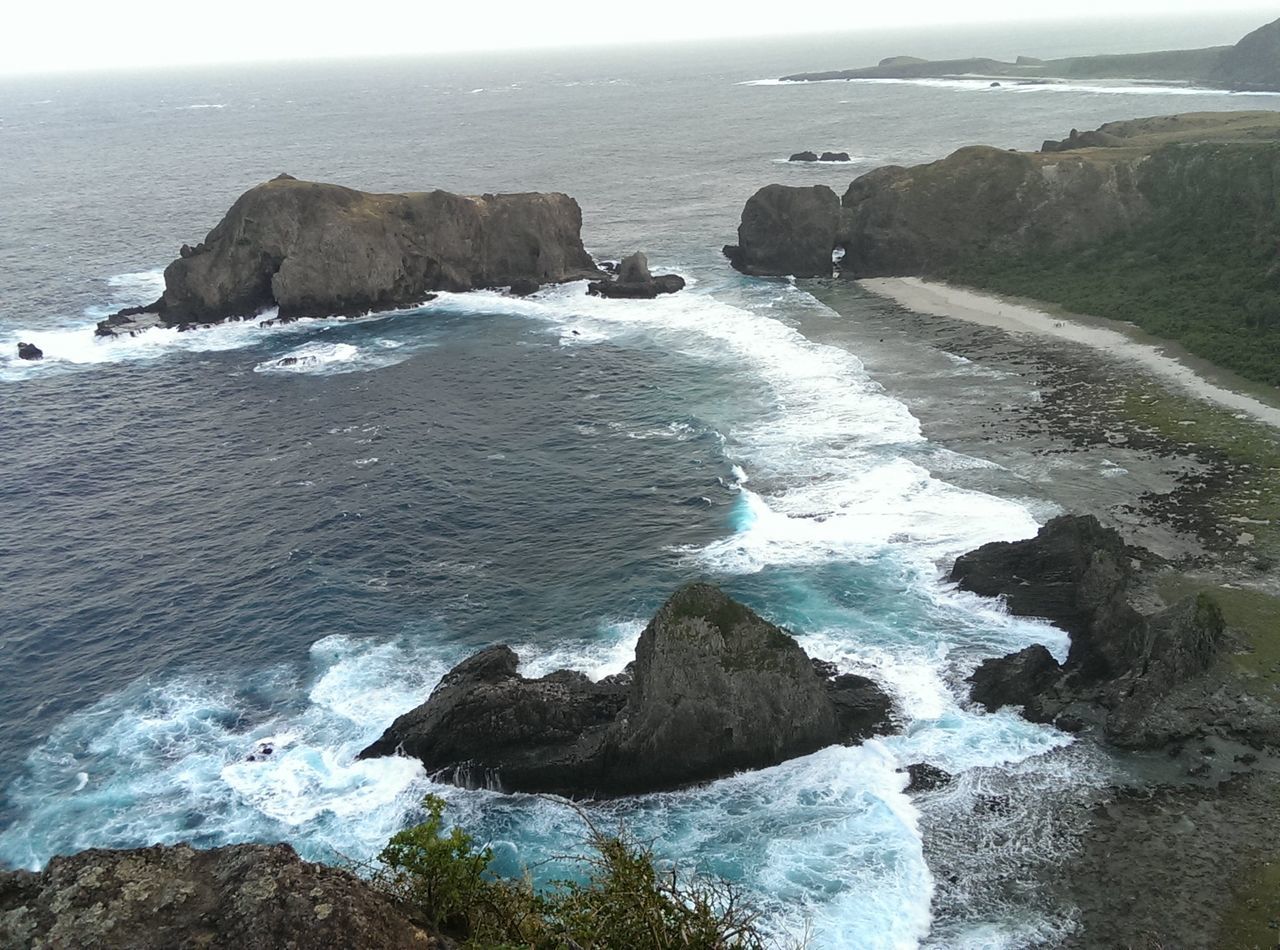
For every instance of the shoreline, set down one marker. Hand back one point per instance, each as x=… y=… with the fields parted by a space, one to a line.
x=1161 y=853
x=1117 y=340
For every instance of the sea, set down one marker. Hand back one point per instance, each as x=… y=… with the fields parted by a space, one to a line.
x=202 y=550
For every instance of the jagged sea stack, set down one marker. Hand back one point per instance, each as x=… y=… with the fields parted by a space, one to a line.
x=714 y=689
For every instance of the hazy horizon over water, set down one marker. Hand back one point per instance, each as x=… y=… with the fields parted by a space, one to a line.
x=204 y=550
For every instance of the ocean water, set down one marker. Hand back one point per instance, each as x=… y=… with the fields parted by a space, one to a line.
x=202 y=550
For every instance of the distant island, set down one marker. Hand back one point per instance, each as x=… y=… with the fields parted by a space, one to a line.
x=1251 y=65
x=1169 y=222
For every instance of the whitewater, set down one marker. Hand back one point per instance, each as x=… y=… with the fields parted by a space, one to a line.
x=252 y=536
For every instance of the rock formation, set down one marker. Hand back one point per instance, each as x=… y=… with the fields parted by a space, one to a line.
x=982 y=202
x=787 y=231
x=1148 y=680
x=714 y=689
x=314 y=249
x=834 y=157
x=633 y=281
x=804 y=157
x=242 y=897
x=29 y=351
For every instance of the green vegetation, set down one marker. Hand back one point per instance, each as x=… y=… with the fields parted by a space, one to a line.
x=1250 y=923
x=1202 y=271
x=624 y=901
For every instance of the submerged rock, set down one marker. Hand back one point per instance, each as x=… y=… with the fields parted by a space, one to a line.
x=633 y=281
x=714 y=689
x=926 y=778
x=241 y=897
x=29 y=351
x=315 y=249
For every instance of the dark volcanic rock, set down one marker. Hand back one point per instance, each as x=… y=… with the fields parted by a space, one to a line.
x=315 y=249
x=787 y=231
x=714 y=689
x=1019 y=679
x=242 y=897
x=834 y=157
x=29 y=351
x=633 y=281
x=926 y=778
x=1143 y=677
x=804 y=157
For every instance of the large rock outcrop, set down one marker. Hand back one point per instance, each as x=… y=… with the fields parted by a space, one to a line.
x=315 y=249
x=241 y=897
x=634 y=282
x=1146 y=679
x=1253 y=63
x=714 y=689
x=787 y=231
x=982 y=202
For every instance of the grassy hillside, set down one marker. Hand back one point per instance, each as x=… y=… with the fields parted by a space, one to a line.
x=1202 y=271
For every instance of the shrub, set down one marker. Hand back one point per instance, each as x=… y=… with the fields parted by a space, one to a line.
x=623 y=901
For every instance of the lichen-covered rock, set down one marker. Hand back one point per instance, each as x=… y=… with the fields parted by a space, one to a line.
x=315 y=249
x=787 y=231
x=241 y=897
x=714 y=689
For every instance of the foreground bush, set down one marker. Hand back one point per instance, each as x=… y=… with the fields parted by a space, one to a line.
x=625 y=901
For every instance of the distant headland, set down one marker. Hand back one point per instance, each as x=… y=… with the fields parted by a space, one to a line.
x=1251 y=65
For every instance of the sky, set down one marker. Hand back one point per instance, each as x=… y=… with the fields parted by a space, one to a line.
x=40 y=36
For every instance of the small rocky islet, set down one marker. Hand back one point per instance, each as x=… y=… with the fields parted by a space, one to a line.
x=311 y=249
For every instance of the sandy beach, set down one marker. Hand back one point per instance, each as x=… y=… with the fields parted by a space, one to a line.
x=1114 y=339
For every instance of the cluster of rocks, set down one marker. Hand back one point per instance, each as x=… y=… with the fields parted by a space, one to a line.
x=815 y=157
x=632 y=280
x=1144 y=680
x=714 y=689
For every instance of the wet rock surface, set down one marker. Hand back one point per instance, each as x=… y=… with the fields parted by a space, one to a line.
x=241 y=897
x=29 y=351
x=633 y=281
x=714 y=689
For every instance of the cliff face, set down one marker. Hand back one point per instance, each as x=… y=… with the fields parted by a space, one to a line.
x=981 y=203
x=242 y=897
x=317 y=250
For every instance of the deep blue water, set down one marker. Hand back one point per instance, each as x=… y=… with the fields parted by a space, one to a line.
x=200 y=550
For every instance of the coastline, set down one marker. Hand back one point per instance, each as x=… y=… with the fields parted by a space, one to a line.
x=1162 y=856
x=1117 y=340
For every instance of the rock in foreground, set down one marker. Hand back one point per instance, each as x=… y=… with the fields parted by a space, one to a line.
x=633 y=281
x=316 y=250
x=242 y=897
x=714 y=689
x=787 y=231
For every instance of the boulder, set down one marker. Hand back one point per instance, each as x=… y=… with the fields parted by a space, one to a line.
x=1019 y=679
x=714 y=689
x=834 y=157
x=241 y=897
x=29 y=351
x=633 y=281
x=315 y=249
x=787 y=231
x=804 y=157
x=523 y=287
